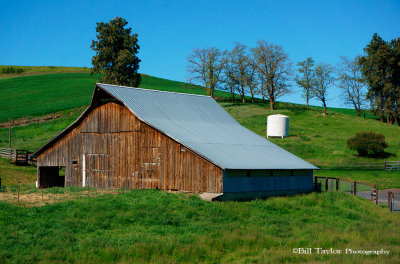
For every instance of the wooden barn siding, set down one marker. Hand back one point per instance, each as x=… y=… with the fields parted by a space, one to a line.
x=123 y=152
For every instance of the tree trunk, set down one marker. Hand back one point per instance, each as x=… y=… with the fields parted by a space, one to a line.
x=211 y=92
x=272 y=102
x=358 y=112
x=233 y=97
x=252 y=98
x=324 y=108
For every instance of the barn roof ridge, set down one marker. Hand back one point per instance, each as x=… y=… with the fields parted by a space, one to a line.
x=138 y=88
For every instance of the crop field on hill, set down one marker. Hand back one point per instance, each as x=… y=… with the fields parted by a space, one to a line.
x=47 y=93
x=152 y=226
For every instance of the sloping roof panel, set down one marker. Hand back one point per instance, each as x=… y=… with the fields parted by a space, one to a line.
x=202 y=125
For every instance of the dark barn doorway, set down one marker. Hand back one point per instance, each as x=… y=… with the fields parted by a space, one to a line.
x=51 y=177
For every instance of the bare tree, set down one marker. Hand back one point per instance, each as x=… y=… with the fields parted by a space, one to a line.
x=306 y=80
x=239 y=62
x=205 y=66
x=230 y=79
x=274 y=69
x=323 y=80
x=352 y=83
x=251 y=78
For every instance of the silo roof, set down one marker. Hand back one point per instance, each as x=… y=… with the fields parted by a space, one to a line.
x=199 y=123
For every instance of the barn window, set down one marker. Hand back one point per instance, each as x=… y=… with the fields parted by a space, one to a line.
x=75 y=162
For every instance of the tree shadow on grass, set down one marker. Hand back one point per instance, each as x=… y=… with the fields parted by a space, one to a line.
x=380 y=155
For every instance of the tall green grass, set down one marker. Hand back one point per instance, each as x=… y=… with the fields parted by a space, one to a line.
x=152 y=226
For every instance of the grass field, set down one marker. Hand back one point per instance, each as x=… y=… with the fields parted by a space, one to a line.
x=315 y=137
x=153 y=226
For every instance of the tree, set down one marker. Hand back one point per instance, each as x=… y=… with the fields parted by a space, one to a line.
x=352 y=83
x=230 y=79
x=251 y=78
x=274 y=69
x=116 y=48
x=323 y=80
x=375 y=69
x=394 y=63
x=306 y=80
x=206 y=66
x=240 y=64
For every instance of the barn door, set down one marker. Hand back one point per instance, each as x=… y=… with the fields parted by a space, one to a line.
x=150 y=176
x=95 y=170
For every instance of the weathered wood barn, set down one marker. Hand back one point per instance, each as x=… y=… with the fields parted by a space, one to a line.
x=144 y=139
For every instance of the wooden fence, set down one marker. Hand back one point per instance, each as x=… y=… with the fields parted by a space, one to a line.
x=383 y=165
x=17 y=156
x=7 y=153
x=333 y=184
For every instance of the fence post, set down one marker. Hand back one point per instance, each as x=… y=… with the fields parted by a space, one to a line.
x=355 y=188
x=337 y=184
x=326 y=184
x=390 y=201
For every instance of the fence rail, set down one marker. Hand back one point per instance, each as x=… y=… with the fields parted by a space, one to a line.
x=382 y=165
x=7 y=153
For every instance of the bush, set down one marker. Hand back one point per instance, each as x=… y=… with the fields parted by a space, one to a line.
x=11 y=69
x=368 y=144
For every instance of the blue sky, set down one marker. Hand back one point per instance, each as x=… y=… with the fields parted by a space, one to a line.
x=60 y=32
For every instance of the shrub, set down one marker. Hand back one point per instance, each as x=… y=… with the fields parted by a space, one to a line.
x=11 y=69
x=368 y=144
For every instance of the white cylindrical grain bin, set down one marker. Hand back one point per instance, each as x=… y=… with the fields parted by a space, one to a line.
x=278 y=126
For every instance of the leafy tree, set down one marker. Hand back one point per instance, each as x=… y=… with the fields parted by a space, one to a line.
x=394 y=63
x=368 y=144
x=116 y=48
x=323 y=80
x=206 y=66
x=352 y=83
x=273 y=68
x=306 y=80
x=375 y=68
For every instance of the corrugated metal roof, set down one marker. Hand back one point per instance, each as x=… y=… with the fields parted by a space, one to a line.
x=202 y=125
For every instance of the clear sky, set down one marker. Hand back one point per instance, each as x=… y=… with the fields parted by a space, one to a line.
x=60 y=32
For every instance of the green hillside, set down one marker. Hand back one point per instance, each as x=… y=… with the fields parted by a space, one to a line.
x=145 y=226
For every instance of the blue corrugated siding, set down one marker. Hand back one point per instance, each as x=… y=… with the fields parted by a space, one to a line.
x=298 y=183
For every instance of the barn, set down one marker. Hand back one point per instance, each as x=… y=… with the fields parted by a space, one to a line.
x=146 y=139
